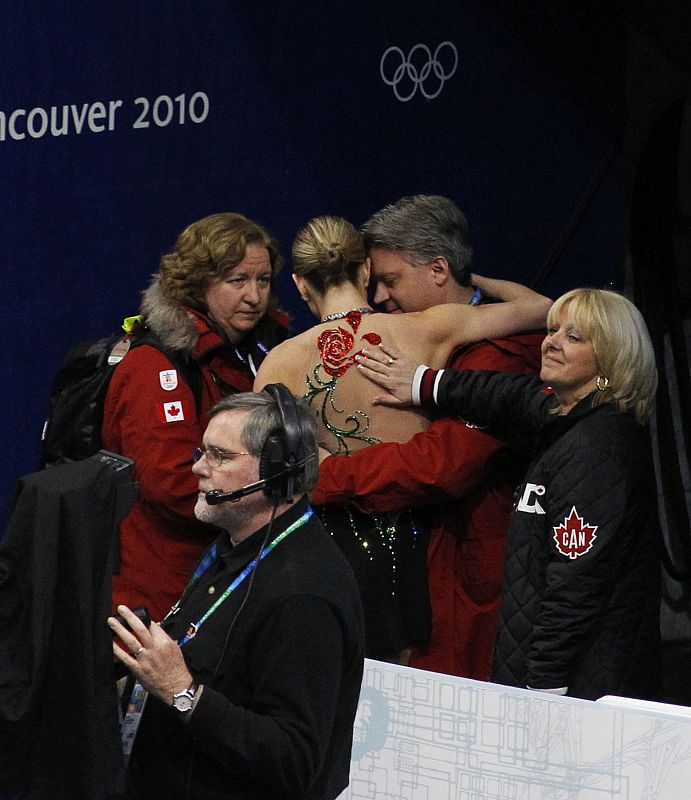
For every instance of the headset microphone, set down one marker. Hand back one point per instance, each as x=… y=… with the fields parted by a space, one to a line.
x=215 y=497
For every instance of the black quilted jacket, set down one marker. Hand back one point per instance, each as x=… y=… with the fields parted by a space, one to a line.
x=581 y=597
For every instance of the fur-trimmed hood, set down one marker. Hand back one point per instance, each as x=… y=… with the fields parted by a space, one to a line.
x=173 y=324
x=178 y=328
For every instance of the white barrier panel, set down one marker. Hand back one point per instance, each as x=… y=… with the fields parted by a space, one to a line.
x=423 y=736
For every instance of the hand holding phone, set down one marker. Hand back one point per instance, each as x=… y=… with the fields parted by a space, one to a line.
x=141 y=612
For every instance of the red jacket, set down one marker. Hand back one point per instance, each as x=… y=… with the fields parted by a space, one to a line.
x=469 y=477
x=157 y=427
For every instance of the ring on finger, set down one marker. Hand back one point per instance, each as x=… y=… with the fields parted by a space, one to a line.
x=137 y=652
x=391 y=360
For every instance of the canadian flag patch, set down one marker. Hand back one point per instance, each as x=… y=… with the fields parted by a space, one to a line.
x=574 y=537
x=171 y=412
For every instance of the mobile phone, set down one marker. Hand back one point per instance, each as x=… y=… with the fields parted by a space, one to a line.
x=141 y=612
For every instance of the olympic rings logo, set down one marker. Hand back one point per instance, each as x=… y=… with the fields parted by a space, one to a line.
x=420 y=70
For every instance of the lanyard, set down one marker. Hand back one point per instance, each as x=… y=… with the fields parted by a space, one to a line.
x=209 y=559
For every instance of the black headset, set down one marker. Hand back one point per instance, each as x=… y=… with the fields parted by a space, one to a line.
x=282 y=460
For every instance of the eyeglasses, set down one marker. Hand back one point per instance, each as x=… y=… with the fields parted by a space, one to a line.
x=215 y=456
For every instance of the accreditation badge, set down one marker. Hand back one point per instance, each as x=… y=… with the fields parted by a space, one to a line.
x=133 y=716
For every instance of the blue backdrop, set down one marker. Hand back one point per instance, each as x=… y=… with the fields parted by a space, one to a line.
x=120 y=123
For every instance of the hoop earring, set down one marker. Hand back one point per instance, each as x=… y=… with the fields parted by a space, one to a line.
x=602 y=382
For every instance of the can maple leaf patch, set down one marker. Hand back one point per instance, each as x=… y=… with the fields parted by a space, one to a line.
x=574 y=537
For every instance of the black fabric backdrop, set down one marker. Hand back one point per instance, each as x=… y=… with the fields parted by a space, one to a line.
x=293 y=118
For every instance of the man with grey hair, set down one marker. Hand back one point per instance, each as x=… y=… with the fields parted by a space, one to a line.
x=253 y=677
x=421 y=256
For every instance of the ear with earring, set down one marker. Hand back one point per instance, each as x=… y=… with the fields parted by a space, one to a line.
x=602 y=382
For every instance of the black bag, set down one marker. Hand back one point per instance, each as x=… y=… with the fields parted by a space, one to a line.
x=72 y=430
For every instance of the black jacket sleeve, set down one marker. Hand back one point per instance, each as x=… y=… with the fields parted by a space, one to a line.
x=502 y=403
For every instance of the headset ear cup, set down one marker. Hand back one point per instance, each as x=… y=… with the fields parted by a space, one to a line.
x=272 y=465
x=282 y=448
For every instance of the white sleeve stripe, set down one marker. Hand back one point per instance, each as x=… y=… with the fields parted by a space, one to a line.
x=436 y=385
x=417 y=383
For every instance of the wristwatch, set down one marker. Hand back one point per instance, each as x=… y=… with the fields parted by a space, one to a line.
x=184 y=700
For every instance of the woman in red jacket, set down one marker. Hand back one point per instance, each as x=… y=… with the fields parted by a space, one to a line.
x=209 y=309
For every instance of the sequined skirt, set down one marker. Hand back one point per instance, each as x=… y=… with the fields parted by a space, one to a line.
x=388 y=554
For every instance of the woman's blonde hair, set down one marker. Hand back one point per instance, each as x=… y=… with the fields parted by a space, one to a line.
x=620 y=339
x=209 y=249
x=328 y=251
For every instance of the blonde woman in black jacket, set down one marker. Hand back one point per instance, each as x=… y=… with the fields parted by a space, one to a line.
x=580 y=609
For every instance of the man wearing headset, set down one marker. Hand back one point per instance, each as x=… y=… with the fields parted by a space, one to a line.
x=253 y=677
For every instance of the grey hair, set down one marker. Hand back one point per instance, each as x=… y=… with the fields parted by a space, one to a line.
x=265 y=418
x=422 y=228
